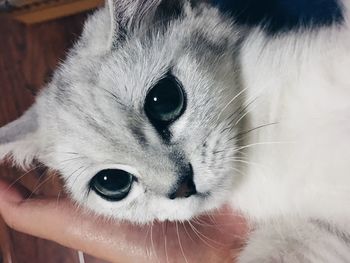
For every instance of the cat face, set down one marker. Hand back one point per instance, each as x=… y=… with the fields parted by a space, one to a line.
x=142 y=119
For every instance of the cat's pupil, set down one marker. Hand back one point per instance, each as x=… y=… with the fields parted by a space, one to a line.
x=112 y=184
x=165 y=102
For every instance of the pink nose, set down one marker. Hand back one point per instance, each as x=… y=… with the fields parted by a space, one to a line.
x=185 y=188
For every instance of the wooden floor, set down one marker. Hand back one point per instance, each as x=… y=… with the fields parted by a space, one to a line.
x=28 y=55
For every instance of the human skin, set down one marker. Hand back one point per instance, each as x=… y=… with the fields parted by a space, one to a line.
x=216 y=237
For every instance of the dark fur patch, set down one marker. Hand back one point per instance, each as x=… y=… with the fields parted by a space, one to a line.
x=278 y=16
x=138 y=134
x=333 y=230
x=169 y=10
x=195 y=3
x=62 y=90
x=203 y=47
x=147 y=16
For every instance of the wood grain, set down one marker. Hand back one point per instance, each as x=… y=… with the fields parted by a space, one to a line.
x=48 y=10
x=28 y=55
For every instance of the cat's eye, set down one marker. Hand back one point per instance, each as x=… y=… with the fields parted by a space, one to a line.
x=112 y=184
x=165 y=102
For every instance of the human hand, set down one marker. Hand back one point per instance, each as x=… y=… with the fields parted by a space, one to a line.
x=217 y=237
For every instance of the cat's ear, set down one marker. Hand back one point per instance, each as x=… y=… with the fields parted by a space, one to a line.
x=111 y=25
x=19 y=140
x=128 y=16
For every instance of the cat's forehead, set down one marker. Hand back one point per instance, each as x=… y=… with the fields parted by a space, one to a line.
x=196 y=34
x=133 y=70
x=109 y=90
x=198 y=40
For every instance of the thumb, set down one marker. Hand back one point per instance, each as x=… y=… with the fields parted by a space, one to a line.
x=62 y=222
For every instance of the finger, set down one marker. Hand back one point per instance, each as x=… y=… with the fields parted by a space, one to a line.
x=63 y=223
x=13 y=191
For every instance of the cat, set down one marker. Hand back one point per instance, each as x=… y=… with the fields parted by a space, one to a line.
x=166 y=109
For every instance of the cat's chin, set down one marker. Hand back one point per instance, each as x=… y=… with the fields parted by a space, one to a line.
x=190 y=211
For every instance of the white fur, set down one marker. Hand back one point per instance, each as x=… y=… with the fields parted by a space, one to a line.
x=304 y=88
x=296 y=179
x=299 y=164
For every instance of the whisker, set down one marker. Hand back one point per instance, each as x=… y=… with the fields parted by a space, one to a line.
x=200 y=222
x=243 y=115
x=152 y=244
x=72 y=174
x=39 y=185
x=244 y=133
x=72 y=153
x=243 y=111
x=165 y=231
x=58 y=197
x=178 y=237
x=21 y=177
x=147 y=234
x=232 y=100
x=236 y=160
x=263 y=143
x=236 y=170
x=72 y=159
x=188 y=234
x=76 y=178
x=211 y=217
x=201 y=238
x=114 y=97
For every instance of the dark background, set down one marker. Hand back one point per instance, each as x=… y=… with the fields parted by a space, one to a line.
x=280 y=16
x=28 y=56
